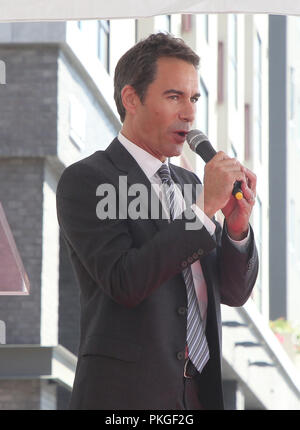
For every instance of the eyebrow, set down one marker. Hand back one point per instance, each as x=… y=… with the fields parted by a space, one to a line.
x=180 y=93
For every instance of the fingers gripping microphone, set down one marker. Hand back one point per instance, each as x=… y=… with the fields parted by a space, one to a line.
x=200 y=144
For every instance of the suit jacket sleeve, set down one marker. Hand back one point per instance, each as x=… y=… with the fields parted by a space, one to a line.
x=238 y=269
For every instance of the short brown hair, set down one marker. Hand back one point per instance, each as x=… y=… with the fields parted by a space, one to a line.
x=137 y=67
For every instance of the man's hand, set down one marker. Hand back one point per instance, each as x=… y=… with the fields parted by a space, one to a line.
x=237 y=212
x=221 y=172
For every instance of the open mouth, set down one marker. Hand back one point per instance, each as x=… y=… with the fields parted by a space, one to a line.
x=181 y=133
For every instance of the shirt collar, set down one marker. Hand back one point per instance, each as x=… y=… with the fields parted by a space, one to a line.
x=148 y=163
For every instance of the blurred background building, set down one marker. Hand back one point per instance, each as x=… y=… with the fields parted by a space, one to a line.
x=57 y=107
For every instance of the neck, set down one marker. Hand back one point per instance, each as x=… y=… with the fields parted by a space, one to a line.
x=126 y=132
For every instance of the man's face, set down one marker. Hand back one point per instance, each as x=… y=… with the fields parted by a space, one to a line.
x=160 y=124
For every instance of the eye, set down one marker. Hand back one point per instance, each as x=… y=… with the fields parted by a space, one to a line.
x=174 y=97
x=194 y=99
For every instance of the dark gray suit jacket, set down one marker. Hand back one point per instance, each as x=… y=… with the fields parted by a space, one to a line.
x=132 y=294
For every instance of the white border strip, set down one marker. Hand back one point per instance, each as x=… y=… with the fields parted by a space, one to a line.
x=58 y=10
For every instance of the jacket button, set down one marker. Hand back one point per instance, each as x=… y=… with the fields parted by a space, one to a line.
x=184 y=264
x=200 y=251
x=190 y=259
x=182 y=310
x=195 y=255
x=180 y=355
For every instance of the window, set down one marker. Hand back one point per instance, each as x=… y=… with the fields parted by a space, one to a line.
x=77 y=122
x=248 y=149
x=203 y=108
x=2 y=72
x=204 y=26
x=292 y=93
x=202 y=122
x=233 y=60
x=232 y=152
x=136 y=24
x=163 y=23
x=257 y=97
x=103 y=42
x=292 y=225
x=257 y=227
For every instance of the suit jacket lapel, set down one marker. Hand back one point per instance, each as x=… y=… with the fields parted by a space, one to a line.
x=127 y=166
x=190 y=198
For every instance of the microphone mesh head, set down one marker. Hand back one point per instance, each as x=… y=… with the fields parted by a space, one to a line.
x=194 y=137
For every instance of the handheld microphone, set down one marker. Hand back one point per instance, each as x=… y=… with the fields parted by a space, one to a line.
x=200 y=144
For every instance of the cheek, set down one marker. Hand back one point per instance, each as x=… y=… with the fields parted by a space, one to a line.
x=156 y=121
x=163 y=118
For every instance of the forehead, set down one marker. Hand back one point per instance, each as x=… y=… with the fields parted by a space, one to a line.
x=175 y=73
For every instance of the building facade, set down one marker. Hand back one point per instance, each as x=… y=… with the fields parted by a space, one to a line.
x=284 y=162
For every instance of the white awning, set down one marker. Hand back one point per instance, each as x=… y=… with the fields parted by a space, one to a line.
x=43 y=10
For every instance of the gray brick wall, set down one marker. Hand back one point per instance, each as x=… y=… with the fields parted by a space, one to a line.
x=21 y=182
x=27 y=395
x=28 y=101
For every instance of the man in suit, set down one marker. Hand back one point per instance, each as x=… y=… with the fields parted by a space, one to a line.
x=135 y=342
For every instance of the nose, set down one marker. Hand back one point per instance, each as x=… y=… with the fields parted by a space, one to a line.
x=188 y=112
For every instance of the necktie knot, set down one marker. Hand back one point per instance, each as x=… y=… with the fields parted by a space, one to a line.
x=164 y=174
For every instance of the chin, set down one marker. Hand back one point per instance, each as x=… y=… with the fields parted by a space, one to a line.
x=176 y=152
x=173 y=151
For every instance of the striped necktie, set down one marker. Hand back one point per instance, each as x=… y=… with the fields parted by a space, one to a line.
x=196 y=340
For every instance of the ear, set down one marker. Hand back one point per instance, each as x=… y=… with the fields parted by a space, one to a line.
x=130 y=99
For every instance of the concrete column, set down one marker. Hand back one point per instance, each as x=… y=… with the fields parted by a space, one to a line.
x=233 y=395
